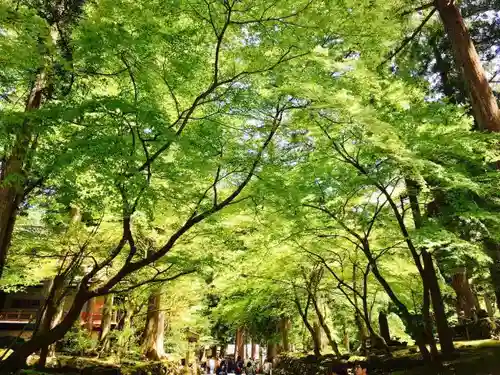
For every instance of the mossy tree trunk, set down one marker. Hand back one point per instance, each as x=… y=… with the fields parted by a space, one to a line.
x=153 y=336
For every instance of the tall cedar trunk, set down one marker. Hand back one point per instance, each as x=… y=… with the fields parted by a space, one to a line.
x=326 y=329
x=106 y=320
x=12 y=173
x=245 y=345
x=51 y=315
x=429 y=278
x=17 y=359
x=124 y=325
x=271 y=351
x=239 y=348
x=253 y=353
x=383 y=324
x=317 y=342
x=466 y=301
x=89 y=315
x=153 y=344
x=284 y=328
x=213 y=351
x=125 y=321
x=489 y=306
x=484 y=103
x=492 y=248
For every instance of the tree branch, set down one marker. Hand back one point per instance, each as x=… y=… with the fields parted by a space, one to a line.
x=409 y=39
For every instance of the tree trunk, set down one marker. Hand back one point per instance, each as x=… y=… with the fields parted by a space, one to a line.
x=17 y=359
x=240 y=344
x=384 y=326
x=362 y=333
x=89 y=315
x=489 y=306
x=51 y=314
x=484 y=103
x=428 y=274
x=492 y=248
x=126 y=318
x=271 y=351
x=13 y=175
x=307 y=324
x=444 y=332
x=428 y=326
x=417 y=332
x=284 y=328
x=253 y=353
x=106 y=319
x=326 y=329
x=153 y=344
x=466 y=301
x=346 y=340
x=317 y=342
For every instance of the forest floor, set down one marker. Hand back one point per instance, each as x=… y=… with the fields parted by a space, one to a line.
x=480 y=357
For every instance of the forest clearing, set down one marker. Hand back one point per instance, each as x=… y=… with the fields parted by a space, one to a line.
x=288 y=187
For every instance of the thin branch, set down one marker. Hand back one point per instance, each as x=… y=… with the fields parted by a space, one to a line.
x=409 y=39
x=130 y=267
x=418 y=9
x=150 y=281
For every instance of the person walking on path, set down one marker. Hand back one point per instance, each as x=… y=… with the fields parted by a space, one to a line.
x=211 y=365
x=250 y=369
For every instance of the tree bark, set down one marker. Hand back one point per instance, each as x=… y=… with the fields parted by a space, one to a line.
x=153 y=344
x=253 y=353
x=13 y=175
x=239 y=349
x=51 y=316
x=284 y=328
x=428 y=274
x=271 y=351
x=417 y=333
x=362 y=333
x=17 y=359
x=444 y=331
x=428 y=326
x=89 y=318
x=492 y=248
x=346 y=340
x=489 y=306
x=317 y=336
x=106 y=320
x=466 y=301
x=326 y=329
x=383 y=324
x=307 y=324
x=125 y=321
x=484 y=103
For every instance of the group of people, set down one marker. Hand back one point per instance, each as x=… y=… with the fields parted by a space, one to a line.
x=227 y=366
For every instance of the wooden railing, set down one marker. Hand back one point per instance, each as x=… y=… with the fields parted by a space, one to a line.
x=29 y=316
x=97 y=317
x=17 y=316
